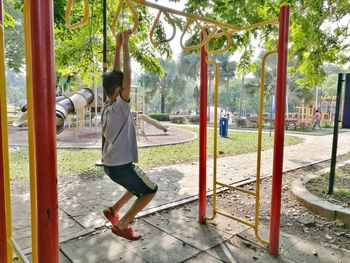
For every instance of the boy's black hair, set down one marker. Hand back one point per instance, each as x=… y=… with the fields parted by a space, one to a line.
x=111 y=80
x=316 y=110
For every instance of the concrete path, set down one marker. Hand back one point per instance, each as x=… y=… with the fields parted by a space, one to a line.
x=91 y=138
x=175 y=236
x=81 y=203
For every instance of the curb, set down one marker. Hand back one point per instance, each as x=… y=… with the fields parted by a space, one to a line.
x=316 y=204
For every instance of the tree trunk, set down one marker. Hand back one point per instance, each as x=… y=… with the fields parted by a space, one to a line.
x=240 y=103
x=162 y=101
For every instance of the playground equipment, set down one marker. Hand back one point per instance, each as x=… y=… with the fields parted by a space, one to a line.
x=138 y=110
x=42 y=123
x=64 y=106
x=72 y=104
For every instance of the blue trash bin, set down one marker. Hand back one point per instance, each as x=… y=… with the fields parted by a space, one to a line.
x=223 y=131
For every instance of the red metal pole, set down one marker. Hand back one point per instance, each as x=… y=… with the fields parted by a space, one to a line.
x=203 y=136
x=279 y=129
x=45 y=128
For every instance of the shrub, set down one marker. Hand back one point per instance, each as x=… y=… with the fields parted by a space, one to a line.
x=241 y=122
x=304 y=124
x=194 y=118
x=177 y=118
x=159 y=116
x=327 y=124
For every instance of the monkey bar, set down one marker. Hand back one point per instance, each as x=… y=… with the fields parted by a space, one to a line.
x=224 y=29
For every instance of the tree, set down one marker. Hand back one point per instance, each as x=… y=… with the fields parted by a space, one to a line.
x=79 y=51
x=318 y=31
x=14 y=43
x=169 y=90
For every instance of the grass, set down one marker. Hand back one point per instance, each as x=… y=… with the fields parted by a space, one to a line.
x=341 y=194
x=344 y=192
x=81 y=161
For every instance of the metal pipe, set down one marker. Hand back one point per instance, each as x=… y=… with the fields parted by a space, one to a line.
x=281 y=84
x=31 y=138
x=335 y=135
x=19 y=252
x=42 y=40
x=203 y=135
x=5 y=192
x=346 y=107
x=258 y=162
x=215 y=150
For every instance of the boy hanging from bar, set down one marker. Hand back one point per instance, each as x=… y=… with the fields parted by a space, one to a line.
x=120 y=148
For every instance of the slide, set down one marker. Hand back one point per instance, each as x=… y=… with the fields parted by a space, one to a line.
x=153 y=122
x=64 y=106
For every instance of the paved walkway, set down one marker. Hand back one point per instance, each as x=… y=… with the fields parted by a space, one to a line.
x=175 y=236
x=81 y=204
x=91 y=137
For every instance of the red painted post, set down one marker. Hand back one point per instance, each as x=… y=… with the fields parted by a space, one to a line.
x=279 y=129
x=203 y=136
x=45 y=128
x=3 y=232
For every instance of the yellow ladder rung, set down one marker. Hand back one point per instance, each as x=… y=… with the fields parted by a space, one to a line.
x=236 y=218
x=236 y=188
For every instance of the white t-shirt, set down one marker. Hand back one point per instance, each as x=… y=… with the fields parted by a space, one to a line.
x=119 y=131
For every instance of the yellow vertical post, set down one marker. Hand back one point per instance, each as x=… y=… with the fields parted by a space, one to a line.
x=216 y=92
x=33 y=192
x=258 y=165
x=4 y=139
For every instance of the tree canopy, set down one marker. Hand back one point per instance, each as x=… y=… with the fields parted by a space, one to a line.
x=319 y=31
x=319 y=34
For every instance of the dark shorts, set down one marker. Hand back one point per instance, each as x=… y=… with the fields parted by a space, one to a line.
x=132 y=178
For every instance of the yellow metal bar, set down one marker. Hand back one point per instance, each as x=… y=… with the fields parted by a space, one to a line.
x=18 y=251
x=258 y=164
x=215 y=153
x=84 y=20
x=117 y=14
x=236 y=219
x=203 y=41
x=264 y=23
x=31 y=138
x=172 y=23
x=184 y=14
x=5 y=147
x=226 y=48
x=237 y=189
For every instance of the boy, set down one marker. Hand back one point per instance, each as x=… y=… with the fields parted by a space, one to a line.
x=120 y=146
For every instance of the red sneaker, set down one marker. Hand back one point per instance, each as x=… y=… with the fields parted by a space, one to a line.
x=128 y=233
x=109 y=214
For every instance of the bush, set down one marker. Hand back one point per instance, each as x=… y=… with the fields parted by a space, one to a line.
x=159 y=116
x=327 y=124
x=177 y=118
x=242 y=122
x=194 y=119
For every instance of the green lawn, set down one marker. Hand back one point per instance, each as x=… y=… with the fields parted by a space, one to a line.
x=75 y=161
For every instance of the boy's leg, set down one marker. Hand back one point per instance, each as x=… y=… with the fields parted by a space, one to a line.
x=122 y=201
x=138 y=205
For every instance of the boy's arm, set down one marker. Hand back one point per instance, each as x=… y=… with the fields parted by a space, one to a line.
x=118 y=44
x=125 y=92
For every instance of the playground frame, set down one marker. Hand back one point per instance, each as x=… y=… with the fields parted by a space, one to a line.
x=42 y=134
